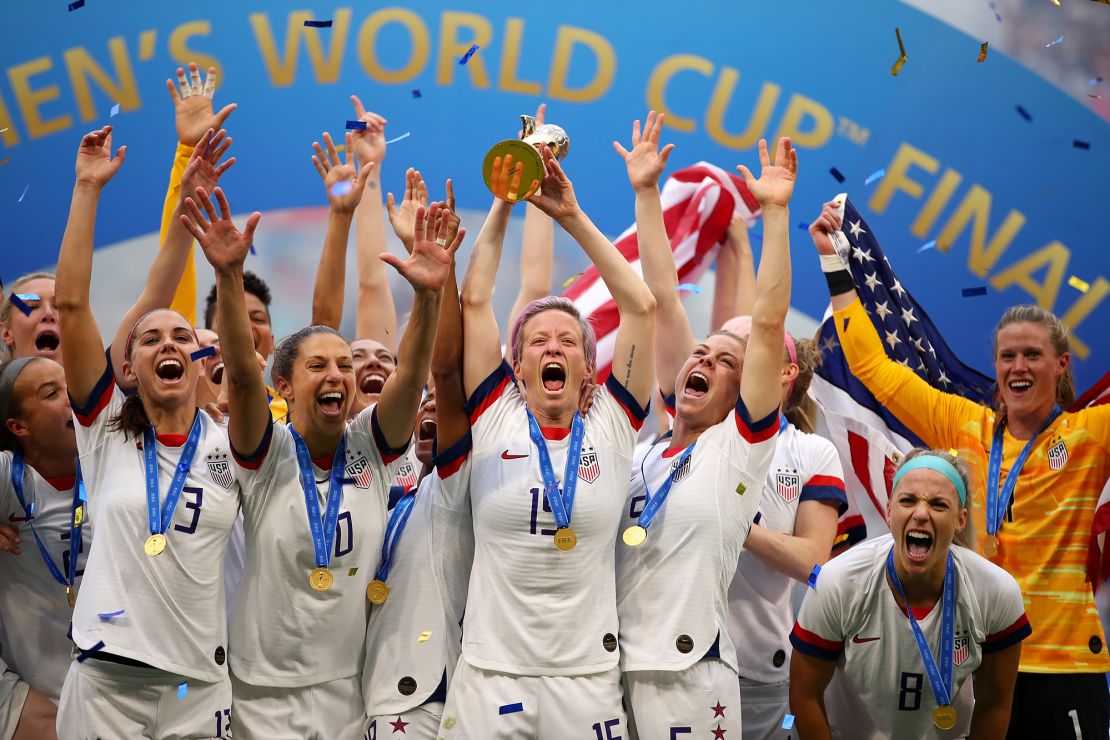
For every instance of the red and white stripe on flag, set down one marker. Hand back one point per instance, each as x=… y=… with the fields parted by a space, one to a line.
x=698 y=203
x=1098 y=557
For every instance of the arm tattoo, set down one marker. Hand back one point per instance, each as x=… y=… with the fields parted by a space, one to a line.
x=628 y=365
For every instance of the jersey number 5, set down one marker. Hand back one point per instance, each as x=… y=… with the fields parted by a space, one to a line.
x=539 y=497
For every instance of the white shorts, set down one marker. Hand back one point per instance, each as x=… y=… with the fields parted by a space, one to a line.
x=697 y=702
x=13 y=693
x=486 y=705
x=332 y=710
x=101 y=699
x=418 y=723
x=765 y=706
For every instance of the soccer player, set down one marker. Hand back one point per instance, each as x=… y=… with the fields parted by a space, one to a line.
x=414 y=639
x=693 y=496
x=547 y=487
x=1037 y=473
x=40 y=500
x=906 y=618
x=300 y=615
x=150 y=620
x=29 y=319
x=25 y=714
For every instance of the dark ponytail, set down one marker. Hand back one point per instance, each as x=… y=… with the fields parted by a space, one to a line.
x=131 y=419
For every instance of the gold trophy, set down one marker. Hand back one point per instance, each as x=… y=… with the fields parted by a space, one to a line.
x=526 y=156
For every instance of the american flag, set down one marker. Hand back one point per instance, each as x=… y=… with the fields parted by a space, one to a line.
x=867 y=436
x=1098 y=556
x=698 y=203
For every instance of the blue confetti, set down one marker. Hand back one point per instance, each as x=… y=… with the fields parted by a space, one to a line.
x=691 y=287
x=469 y=53
x=971 y=292
x=1081 y=144
x=341 y=188
x=788 y=722
x=927 y=245
x=23 y=194
x=19 y=303
x=510 y=708
x=110 y=615
x=405 y=135
x=1094 y=81
x=253 y=250
x=836 y=174
x=356 y=125
x=182 y=689
x=115 y=111
x=1054 y=43
x=81 y=490
x=86 y=654
x=758 y=517
x=997 y=17
x=877 y=175
x=416 y=94
x=1023 y=113
x=812 y=580
x=76 y=4
x=200 y=354
x=318 y=24
x=803 y=226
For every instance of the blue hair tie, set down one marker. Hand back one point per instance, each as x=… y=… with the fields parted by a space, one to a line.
x=940 y=465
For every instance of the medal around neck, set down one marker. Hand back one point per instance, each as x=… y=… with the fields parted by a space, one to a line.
x=565 y=539
x=634 y=536
x=71 y=597
x=155 y=545
x=990 y=546
x=320 y=579
x=944 y=717
x=525 y=152
x=377 y=592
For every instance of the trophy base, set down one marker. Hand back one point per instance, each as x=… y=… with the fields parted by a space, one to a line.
x=530 y=177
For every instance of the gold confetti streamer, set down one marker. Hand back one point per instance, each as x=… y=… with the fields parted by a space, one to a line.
x=1081 y=285
x=352 y=571
x=901 y=54
x=983 y=52
x=572 y=278
x=424 y=637
x=953 y=452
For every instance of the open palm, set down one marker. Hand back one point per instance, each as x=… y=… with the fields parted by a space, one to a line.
x=95 y=163
x=204 y=168
x=429 y=264
x=645 y=162
x=192 y=105
x=344 y=184
x=775 y=185
x=225 y=247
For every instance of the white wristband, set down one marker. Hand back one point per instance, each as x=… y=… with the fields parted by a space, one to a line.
x=832 y=263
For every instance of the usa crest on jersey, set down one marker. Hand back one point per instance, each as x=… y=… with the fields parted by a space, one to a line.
x=358 y=470
x=219 y=467
x=961 y=649
x=406 y=477
x=588 y=469
x=680 y=473
x=789 y=485
x=1057 y=455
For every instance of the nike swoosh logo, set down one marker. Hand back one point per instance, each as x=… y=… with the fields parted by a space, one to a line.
x=506 y=456
x=860 y=640
x=15 y=519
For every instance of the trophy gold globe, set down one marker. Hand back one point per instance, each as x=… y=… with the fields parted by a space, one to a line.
x=525 y=153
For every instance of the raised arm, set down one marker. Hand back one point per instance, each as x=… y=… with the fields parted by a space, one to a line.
x=376 y=317
x=203 y=170
x=633 y=364
x=734 y=287
x=761 y=381
x=482 y=349
x=452 y=423
x=83 y=361
x=226 y=249
x=426 y=270
x=344 y=186
x=645 y=164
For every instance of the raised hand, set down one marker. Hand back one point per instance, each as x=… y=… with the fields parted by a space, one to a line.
x=428 y=266
x=645 y=162
x=370 y=142
x=192 y=105
x=225 y=247
x=823 y=225
x=556 y=194
x=204 y=168
x=95 y=163
x=403 y=217
x=344 y=184
x=776 y=181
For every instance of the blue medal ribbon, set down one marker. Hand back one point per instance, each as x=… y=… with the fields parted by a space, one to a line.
x=562 y=502
x=655 y=501
x=159 y=522
x=398 y=519
x=939 y=678
x=18 y=467
x=996 y=503
x=323 y=531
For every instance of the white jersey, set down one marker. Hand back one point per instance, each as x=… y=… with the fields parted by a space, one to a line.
x=692 y=545
x=33 y=607
x=284 y=633
x=761 y=613
x=415 y=637
x=532 y=609
x=166 y=611
x=408 y=474
x=851 y=617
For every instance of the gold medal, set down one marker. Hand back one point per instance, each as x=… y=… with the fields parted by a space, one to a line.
x=990 y=546
x=944 y=717
x=155 y=544
x=377 y=592
x=634 y=536
x=320 y=579
x=71 y=597
x=565 y=539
